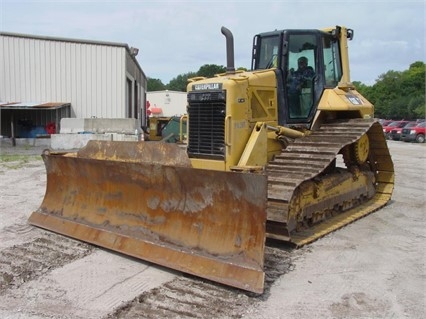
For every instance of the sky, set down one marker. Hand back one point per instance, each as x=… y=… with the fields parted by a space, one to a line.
x=177 y=37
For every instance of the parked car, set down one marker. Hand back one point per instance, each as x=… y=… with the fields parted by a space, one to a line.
x=384 y=122
x=415 y=133
x=393 y=125
x=395 y=134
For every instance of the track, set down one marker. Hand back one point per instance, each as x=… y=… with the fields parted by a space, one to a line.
x=28 y=261
x=191 y=297
x=308 y=158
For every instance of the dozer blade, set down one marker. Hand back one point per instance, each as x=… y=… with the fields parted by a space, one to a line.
x=206 y=223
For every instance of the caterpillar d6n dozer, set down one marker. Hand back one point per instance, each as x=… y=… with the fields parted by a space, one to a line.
x=288 y=150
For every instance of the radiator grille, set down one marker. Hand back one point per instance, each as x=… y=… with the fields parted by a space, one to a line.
x=206 y=124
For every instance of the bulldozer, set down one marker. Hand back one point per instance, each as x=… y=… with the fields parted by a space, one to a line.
x=169 y=129
x=265 y=158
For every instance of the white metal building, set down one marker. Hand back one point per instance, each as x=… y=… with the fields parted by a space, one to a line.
x=99 y=79
x=167 y=103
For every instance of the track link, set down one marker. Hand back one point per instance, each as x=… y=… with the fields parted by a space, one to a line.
x=308 y=158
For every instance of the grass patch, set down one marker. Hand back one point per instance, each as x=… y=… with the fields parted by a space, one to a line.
x=13 y=161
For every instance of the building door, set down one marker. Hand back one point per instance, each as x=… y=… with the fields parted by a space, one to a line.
x=135 y=100
x=129 y=97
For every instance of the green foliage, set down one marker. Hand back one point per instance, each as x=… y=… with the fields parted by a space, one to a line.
x=398 y=95
x=13 y=161
x=180 y=82
x=155 y=85
x=210 y=70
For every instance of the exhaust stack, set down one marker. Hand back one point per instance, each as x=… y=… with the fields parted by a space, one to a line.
x=230 y=67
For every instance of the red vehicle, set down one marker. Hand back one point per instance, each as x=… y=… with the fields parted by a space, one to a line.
x=393 y=125
x=395 y=134
x=415 y=133
x=385 y=122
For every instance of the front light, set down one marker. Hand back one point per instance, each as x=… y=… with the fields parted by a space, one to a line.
x=412 y=131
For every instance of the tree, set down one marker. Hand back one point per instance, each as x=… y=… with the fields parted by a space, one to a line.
x=210 y=70
x=155 y=85
x=180 y=82
x=398 y=95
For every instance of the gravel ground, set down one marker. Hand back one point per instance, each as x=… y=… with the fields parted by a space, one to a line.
x=373 y=268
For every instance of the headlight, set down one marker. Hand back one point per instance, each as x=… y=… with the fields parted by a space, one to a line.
x=413 y=132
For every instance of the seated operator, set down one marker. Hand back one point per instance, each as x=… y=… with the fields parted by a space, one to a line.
x=299 y=79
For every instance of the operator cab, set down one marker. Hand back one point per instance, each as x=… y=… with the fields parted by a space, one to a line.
x=299 y=86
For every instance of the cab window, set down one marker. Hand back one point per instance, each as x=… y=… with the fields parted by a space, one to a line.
x=332 y=64
x=268 y=55
x=301 y=71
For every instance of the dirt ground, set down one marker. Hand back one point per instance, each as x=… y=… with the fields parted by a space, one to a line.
x=372 y=268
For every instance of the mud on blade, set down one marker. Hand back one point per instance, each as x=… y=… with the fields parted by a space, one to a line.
x=206 y=223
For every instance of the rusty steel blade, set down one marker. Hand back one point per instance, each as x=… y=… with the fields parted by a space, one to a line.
x=206 y=223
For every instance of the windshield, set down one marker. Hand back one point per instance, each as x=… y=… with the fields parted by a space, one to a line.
x=394 y=124
x=411 y=124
